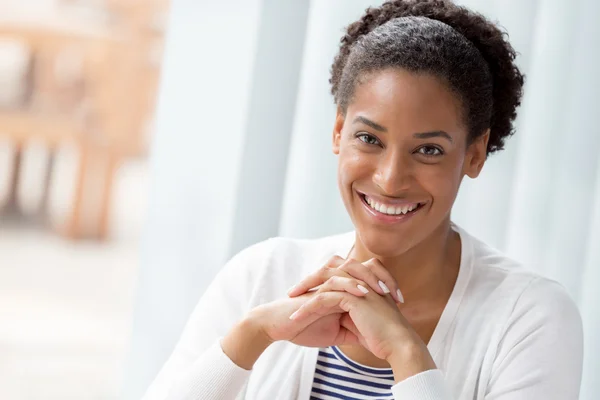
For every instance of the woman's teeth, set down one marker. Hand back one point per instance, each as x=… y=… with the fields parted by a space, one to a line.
x=391 y=210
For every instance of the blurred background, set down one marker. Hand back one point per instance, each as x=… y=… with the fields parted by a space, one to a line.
x=144 y=142
x=78 y=81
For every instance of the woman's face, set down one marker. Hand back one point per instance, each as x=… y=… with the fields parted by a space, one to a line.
x=403 y=152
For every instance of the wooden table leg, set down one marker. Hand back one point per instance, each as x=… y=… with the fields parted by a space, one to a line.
x=73 y=228
x=110 y=171
x=95 y=183
x=43 y=206
x=11 y=207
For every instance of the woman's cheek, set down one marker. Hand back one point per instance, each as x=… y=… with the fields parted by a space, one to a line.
x=353 y=166
x=441 y=186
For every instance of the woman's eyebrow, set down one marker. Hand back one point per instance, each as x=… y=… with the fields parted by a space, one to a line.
x=420 y=135
x=432 y=134
x=370 y=123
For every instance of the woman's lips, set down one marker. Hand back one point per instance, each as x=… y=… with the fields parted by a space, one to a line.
x=389 y=212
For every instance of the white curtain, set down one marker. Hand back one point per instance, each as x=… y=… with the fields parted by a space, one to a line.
x=243 y=152
x=541 y=204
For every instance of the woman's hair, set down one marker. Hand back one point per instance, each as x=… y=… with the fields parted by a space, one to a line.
x=471 y=54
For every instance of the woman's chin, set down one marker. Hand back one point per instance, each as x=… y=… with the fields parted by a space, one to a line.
x=383 y=245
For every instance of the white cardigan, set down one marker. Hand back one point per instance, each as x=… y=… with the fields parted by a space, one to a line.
x=505 y=334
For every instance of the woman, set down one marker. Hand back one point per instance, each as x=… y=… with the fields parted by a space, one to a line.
x=409 y=306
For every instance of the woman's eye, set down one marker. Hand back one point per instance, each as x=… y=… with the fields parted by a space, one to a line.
x=430 y=151
x=368 y=139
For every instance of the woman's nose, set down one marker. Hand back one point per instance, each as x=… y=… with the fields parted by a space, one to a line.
x=393 y=174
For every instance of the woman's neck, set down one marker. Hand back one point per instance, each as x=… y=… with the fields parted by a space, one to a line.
x=426 y=271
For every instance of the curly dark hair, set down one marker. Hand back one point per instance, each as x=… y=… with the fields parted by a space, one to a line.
x=471 y=54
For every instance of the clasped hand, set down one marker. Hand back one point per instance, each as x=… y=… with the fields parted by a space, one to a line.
x=344 y=303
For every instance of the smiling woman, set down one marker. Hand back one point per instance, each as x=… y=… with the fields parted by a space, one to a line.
x=406 y=144
x=408 y=305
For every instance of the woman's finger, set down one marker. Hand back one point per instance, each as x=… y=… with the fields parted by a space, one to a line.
x=325 y=303
x=347 y=323
x=317 y=278
x=344 y=284
x=345 y=336
x=375 y=275
x=386 y=277
x=363 y=272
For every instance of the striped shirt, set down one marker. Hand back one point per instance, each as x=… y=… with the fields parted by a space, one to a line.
x=338 y=377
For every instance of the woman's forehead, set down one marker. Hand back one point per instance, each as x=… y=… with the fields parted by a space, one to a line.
x=394 y=98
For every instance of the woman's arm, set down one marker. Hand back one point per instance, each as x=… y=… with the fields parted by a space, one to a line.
x=540 y=355
x=222 y=371
x=198 y=366
x=234 y=323
x=541 y=352
x=245 y=343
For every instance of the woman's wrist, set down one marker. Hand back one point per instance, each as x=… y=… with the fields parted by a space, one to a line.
x=245 y=342
x=410 y=359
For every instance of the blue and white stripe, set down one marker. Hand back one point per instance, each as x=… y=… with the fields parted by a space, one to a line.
x=338 y=377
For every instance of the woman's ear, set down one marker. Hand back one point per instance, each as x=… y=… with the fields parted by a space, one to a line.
x=337 y=131
x=476 y=155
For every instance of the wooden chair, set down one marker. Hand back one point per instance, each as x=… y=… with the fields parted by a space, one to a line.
x=119 y=83
x=99 y=129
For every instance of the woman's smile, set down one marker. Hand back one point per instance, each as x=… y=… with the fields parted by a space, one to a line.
x=388 y=211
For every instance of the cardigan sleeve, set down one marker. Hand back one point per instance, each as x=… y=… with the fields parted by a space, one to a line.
x=198 y=368
x=540 y=355
x=428 y=385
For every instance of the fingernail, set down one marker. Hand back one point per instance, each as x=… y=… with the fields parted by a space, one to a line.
x=362 y=289
x=290 y=289
x=400 y=297
x=294 y=314
x=384 y=287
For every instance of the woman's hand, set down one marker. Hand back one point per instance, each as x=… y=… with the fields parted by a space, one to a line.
x=374 y=319
x=320 y=331
x=271 y=322
x=313 y=331
x=372 y=272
